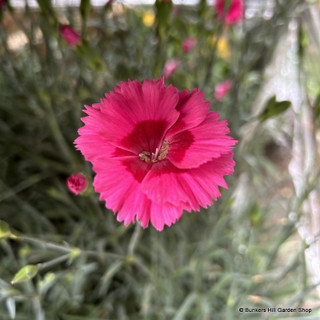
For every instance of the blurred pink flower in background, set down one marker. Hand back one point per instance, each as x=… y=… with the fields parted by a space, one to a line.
x=222 y=89
x=77 y=183
x=234 y=13
x=71 y=36
x=156 y=151
x=2 y=3
x=170 y=67
x=188 y=44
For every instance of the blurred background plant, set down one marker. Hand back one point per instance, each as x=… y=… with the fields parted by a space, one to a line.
x=64 y=256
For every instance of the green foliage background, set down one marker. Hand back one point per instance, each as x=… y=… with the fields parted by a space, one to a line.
x=75 y=260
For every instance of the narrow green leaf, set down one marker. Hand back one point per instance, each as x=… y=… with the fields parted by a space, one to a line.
x=47 y=10
x=273 y=108
x=112 y=270
x=93 y=61
x=163 y=10
x=5 y=231
x=45 y=6
x=184 y=308
x=25 y=274
x=8 y=292
x=85 y=8
x=45 y=284
x=11 y=306
x=108 y=276
x=255 y=215
x=316 y=107
x=303 y=40
x=203 y=8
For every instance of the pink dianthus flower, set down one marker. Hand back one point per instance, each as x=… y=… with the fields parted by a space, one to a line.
x=170 y=67
x=156 y=151
x=71 y=36
x=188 y=44
x=77 y=183
x=234 y=12
x=222 y=89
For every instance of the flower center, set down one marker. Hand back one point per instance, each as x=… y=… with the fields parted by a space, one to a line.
x=159 y=154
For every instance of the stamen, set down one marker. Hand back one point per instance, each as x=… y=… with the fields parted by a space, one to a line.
x=159 y=154
x=155 y=154
x=145 y=156
x=164 y=150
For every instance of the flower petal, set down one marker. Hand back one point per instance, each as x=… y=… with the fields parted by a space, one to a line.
x=164 y=214
x=144 y=105
x=88 y=146
x=186 y=189
x=134 y=117
x=118 y=182
x=149 y=100
x=193 y=110
x=193 y=147
x=91 y=142
x=119 y=185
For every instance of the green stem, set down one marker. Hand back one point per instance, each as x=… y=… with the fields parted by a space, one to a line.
x=207 y=78
x=54 y=246
x=134 y=239
x=44 y=244
x=53 y=262
x=55 y=128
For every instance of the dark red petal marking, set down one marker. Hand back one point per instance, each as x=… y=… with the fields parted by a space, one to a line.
x=179 y=147
x=146 y=136
x=136 y=167
x=209 y=140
